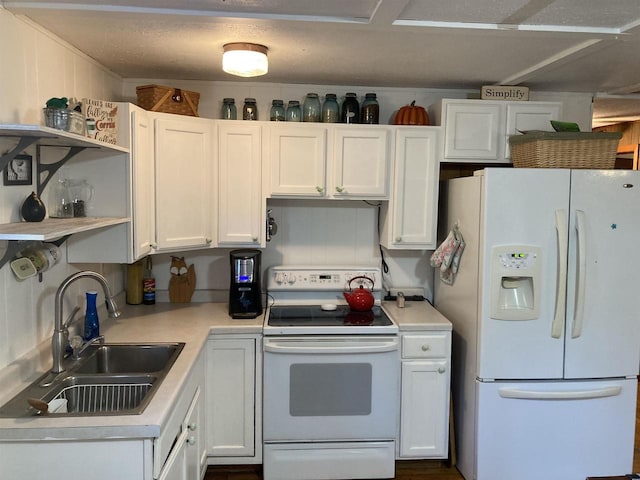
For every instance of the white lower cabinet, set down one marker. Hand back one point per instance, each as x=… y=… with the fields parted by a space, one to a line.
x=234 y=399
x=179 y=453
x=424 y=401
x=187 y=459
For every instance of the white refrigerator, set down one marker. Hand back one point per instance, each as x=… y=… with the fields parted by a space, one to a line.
x=546 y=317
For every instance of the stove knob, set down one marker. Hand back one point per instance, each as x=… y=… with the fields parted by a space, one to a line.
x=280 y=278
x=292 y=279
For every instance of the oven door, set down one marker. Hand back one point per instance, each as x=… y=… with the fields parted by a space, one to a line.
x=331 y=388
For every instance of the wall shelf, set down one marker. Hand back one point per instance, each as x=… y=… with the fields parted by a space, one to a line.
x=54 y=228
x=16 y=139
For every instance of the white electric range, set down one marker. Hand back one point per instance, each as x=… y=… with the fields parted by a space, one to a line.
x=331 y=377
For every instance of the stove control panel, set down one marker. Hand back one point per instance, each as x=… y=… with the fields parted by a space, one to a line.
x=292 y=278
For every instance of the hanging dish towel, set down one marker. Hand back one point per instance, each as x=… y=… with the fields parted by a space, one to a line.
x=447 y=256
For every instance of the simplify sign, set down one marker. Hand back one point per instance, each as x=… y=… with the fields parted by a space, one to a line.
x=503 y=92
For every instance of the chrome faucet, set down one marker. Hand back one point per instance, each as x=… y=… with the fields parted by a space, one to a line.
x=59 y=334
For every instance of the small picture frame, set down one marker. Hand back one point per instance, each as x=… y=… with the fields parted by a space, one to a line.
x=18 y=171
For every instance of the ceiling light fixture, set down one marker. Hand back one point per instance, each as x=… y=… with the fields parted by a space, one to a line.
x=245 y=59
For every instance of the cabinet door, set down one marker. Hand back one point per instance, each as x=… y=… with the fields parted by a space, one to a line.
x=414 y=208
x=183 y=150
x=143 y=183
x=472 y=130
x=529 y=116
x=230 y=399
x=360 y=162
x=240 y=205
x=176 y=466
x=424 y=409
x=196 y=454
x=298 y=157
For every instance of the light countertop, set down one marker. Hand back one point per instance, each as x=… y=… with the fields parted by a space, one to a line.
x=165 y=322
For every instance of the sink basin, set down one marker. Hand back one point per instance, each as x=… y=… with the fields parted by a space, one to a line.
x=126 y=358
x=110 y=379
x=119 y=394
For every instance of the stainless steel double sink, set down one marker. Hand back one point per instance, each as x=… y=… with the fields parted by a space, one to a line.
x=109 y=379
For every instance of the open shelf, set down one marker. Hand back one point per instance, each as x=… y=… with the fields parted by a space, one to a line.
x=56 y=138
x=54 y=228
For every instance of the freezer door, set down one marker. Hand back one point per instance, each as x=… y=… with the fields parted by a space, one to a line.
x=526 y=209
x=555 y=430
x=603 y=304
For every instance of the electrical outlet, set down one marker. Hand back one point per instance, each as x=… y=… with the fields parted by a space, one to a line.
x=407 y=291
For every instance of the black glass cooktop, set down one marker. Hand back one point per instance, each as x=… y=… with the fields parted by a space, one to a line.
x=314 y=316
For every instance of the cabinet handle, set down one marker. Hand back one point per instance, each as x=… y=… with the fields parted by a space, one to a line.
x=191 y=441
x=320 y=189
x=398 y=239
x=442 y=370
x=153 y=245
x=192 y=426
x=208 y=240
x=425 y=347
x=255 y=239
x=339 y=189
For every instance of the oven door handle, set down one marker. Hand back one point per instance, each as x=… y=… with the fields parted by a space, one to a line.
x=340 y=347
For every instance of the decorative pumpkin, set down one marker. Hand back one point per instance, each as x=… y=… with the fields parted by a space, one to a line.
x=411 y=115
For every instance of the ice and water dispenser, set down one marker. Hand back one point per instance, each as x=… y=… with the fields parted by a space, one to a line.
x=515 y=282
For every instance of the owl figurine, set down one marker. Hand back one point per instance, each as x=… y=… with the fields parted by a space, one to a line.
x=183 y=281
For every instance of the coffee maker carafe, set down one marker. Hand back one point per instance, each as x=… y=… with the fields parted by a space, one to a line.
x=245 y=295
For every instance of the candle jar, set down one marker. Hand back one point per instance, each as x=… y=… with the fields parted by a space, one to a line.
x=330 y=109
x=370 y=109
x=277 y=113
x=311 y=110
x=294 y=114
x=350 y=109
x=229 y=111
x=250 y=109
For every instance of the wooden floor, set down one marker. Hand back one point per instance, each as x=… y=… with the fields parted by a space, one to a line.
x=405 y=470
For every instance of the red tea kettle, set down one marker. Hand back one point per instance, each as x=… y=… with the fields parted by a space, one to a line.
x=360 y=299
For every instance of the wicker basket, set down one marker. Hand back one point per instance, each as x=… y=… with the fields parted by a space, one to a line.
x=594 y=150
x=158 y=98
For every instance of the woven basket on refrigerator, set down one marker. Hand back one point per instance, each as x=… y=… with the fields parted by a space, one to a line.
x=594 y=150
x=158 y=98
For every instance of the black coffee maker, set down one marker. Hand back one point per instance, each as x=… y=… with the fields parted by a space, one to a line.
x=245 y=295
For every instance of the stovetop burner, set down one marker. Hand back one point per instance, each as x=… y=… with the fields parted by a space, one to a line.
x=299 y=294
x=315 y=316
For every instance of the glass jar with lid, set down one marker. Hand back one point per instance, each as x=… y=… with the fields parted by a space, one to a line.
x=294 y=114
x=330 y=109
x=370 y=109
x=350 y=109
x=229 y=111
x=250 y=109
x=311 y=109
x=277 y=113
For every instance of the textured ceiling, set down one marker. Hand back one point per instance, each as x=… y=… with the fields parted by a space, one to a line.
x=563 y=45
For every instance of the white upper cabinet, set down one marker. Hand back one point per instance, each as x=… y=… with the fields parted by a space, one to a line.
x=183 y=182
x=478 y=130
x=297 y=155
x=360 y=162
x=411 y=216
x=241 y=208
x=143 y=174
x=329 y=161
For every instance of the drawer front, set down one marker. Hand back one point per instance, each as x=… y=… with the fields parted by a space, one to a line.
x=429 y=345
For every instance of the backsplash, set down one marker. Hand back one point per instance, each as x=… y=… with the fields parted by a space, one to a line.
x=311 y=232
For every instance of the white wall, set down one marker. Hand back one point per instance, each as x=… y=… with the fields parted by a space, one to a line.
x=35 y=67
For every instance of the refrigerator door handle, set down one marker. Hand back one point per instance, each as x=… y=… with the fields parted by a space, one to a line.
x=581 y=247
x=519 y=394
x=562 y=232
